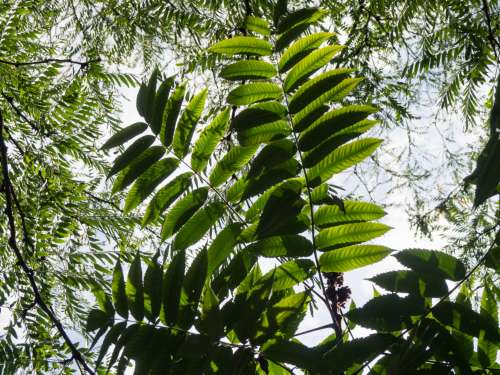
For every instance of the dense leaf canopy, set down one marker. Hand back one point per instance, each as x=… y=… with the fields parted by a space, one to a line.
x=199 y=239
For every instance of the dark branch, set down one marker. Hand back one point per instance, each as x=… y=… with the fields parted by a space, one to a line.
x=17 y=64
x=9 y=203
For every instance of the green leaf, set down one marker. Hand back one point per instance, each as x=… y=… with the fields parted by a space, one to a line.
x=172 y=286
x=387 y=313
x=300 y=16
x=332 y=122
x=342 y=158
x=346 y=234
x=289 y=36
x=334 y=94
x=110 y=338
x=232 y=162
x=148 y=181
x=493 y=259
x=160 y=102
x=208 y=141
x=292 y=352
x=152 y=290
x=222 y=246
x=330 y=215
x=260 y=202
x=317 y=154
x=257 y=25
x=254 y=92
x=166 y=196
x=124 y=135
x=247 y=45
x=290 y=273
x=411 y=282
x=140 y=99
x=434 y=263
x=197 y=226
x=308 y=65
x=264 y=133
x=465 y=320
x=356 y=351
x=148 y=97
x=288 y=246
x=170 y=115
x=280 y=214
x=272 y=155
x=248 y=70
x=248 y=308
x=97 y=319
x=487 y=350
x=137 y=167
x=352 y=257
x=258 y=114
x=131 y=154
x=300 y=49
x=182 y=211
x=310 y=91
x=192 y=288
x=118 y=291
x=187 y=123
x=283 y=317
x=211 y=319
x=134 y=289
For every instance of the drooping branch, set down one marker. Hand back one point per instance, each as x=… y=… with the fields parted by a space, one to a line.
x=17 y=64
x=8 y=191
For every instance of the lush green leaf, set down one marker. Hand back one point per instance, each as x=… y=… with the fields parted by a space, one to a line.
x=258 y=25
x=125 y=135
x=387 y=313
x=331 y=215
x=208 y=141
x=332 y=122
x=166 y=196
x=308 y=65
x=346 y=234
x=248 y=69
x=131 y=154
x=342 y=158
x=137 y=167
x=222 y=246
x=434 y=263
x=487 y=350
x=232 y=162
x=182 y=210
x=192 y=288
x=170 y=115
x=247 y=45
x=411 y=282
x=352 y=257
x=300 y=48
x=196 y=227
x=148 y=181
x=118 y=291
x=97 y=319
x=254 y=92
x=172 y=287
x=288 y=246
x=306 y=97
x=187 y=123
x=160 y=102
x=152 y=290
x=134 y=289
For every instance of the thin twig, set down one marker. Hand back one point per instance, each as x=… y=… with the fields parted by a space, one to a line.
x=17 y=64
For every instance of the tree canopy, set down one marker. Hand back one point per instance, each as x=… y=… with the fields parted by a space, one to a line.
x=199 y=239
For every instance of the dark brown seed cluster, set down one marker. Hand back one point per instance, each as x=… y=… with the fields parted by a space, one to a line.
x=336 y=292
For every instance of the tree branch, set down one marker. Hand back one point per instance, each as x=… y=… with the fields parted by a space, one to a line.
x=82 y=64
x=8 y=191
